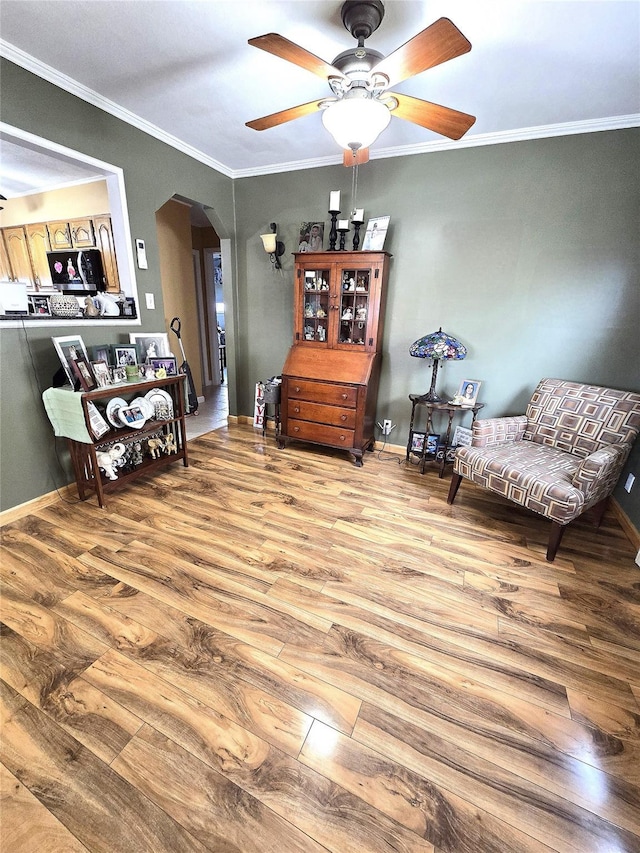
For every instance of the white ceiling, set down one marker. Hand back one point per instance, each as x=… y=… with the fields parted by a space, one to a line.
x=184 y=71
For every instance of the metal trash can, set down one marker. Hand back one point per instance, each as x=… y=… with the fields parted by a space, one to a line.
x=272 y=392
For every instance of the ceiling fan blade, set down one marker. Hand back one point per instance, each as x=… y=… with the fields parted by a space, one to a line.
x=443 y=120
x=355 y=158
x=285 y=49
x=438 y=43
x=283 y=116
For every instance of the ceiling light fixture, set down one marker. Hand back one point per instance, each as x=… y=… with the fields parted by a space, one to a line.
x=356 y=120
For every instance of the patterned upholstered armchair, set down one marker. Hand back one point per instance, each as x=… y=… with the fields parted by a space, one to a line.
x=561 y=458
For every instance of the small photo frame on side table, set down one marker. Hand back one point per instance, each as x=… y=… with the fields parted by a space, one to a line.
x=125 y=355
x=169 y=363
x=417 y=442
x=151 y=344
x=69 y=349
x=467 y=395
x=102 y=373
x=84 y=374
x=462 y=437
x=432 y=442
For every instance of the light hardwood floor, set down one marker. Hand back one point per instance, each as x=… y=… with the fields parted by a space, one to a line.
x=275 y=651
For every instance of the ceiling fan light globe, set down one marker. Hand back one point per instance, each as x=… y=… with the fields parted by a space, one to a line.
x=356 y=123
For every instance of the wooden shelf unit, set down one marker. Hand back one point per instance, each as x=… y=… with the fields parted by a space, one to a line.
x=89 y=478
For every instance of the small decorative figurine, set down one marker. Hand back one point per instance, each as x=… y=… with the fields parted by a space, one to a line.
x=361 y=312
x=90 y=309
x=308 y=310
x=136 y=454
x=155 y=447
x=110 y=460
x=348 y=314
x=321 y=312
x=170 y=443
x=322 y=333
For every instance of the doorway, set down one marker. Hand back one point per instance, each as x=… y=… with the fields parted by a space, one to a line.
x=189 y=256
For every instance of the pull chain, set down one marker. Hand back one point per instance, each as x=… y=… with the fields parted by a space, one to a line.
x=354 y=188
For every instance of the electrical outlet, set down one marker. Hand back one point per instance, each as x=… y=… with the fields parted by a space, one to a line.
x=630 y=481
x=387 y=426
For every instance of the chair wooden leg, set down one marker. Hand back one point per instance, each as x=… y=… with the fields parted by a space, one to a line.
x=554 y=540
x=456 y=479
x=598 y=511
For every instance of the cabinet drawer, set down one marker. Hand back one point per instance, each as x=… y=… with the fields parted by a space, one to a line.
x=320 y=433
x=322 y=414
x=323 y=392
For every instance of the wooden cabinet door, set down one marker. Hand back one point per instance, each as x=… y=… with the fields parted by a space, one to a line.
x=82 y=234
x=16 y=243
x=6 y=273
x=104 y=242
x=59 y=235
x=38 y=243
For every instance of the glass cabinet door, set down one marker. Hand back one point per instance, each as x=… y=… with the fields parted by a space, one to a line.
x=315 y=308
x=355 y=289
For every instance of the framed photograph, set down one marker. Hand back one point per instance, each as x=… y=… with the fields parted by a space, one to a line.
x=118 y=375
x=169 y=364
x=102 y=373
x=311 y=237
x=462 y=437
x=125 y=355
x=97 y=423
x=151 y=344
x=417 y=442
x=101 y=352
x=84 y=374
x=39 y=306
x=467 y=392
x=69 y=349
x=432 y=442
x=375 y=234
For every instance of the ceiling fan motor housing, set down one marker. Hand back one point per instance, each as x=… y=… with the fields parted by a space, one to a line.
x=362 y=17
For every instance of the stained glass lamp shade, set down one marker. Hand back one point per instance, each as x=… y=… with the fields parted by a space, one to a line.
x=436 y=346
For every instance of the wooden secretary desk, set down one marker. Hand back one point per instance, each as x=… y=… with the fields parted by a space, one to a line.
x=330 y=377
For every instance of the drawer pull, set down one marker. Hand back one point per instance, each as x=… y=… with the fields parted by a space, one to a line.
x=345 y=396
x=296 y=429
x=296 y=409
x=297 y=389
x=342 y=438
x=343 y=417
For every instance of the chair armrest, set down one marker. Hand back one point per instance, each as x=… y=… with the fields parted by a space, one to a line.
x=490 y=431
x=598 y=473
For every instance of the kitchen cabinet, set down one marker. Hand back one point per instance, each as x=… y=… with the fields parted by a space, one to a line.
x=15 y=241
x=23 y=249
x=38 y=245
x=104 y=242
x=76 y=234
x=331 y=374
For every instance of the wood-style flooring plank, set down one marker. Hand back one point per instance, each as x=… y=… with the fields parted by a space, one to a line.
x=325 y=812
x=357 y=665
x=26 y=825
x=100 y=808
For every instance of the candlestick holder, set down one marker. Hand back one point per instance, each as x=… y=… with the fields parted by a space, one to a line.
x=356 y=235
x=343 y=233
x=333 y=233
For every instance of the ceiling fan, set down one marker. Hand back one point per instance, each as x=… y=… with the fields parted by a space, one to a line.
x=360 y=78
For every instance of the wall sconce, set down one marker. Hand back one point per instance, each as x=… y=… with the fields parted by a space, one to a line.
x=272 y=246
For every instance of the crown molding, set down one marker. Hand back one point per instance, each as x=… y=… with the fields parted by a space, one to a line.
x=68 y=84
x=62 y=81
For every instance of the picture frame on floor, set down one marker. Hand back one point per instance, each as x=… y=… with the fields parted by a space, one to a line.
x=431 y=446
x=417 y=442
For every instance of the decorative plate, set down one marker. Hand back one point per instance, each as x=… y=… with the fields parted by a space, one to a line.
x=111 y=412
x=145 y=405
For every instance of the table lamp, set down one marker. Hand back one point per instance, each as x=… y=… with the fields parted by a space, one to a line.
x=437 y=346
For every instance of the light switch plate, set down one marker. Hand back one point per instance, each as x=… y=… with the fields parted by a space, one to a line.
x=150 y=300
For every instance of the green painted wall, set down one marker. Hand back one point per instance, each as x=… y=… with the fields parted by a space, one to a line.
x=32 y=461
x=527 y=252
